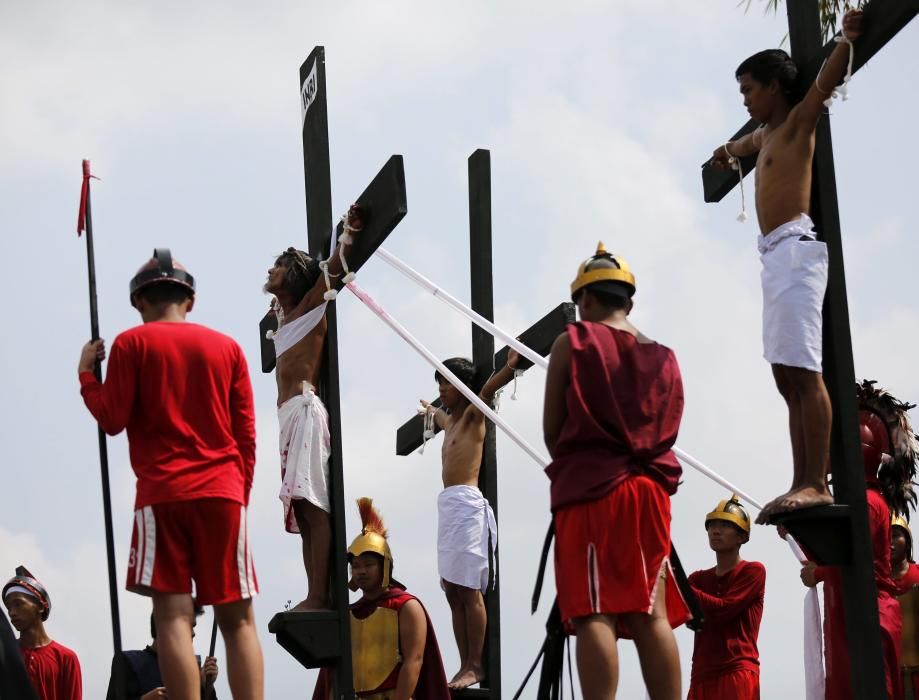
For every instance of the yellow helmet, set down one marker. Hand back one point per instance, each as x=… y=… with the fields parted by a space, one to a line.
x=731 y=511
x=900 y=521
x=372 y=539
x=604 y=267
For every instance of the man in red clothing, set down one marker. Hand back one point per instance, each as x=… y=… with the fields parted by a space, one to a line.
x=182 y=391
x=889 y=460
x=725 y=659
x=613 y=403
x=905 y=575
x=393 y=646
x=53 y=669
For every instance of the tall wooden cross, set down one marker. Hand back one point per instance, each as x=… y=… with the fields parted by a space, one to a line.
x=539 y=337
x=324 y=638
x=837 y=534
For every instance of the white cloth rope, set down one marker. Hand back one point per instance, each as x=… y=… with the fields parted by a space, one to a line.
x=841 y=90
x=470 y=395
x=450 y=300
x=734 y=162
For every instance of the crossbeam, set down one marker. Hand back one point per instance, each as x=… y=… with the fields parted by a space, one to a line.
x=883 y=20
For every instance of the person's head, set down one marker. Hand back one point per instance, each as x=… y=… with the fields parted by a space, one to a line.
x=162 y=286
x=450 y=396
x=901 y=541
x=768 y=79
x=26 y=600
x=293 y=274
x=728 y=526
x=603 y=286
x=369 y=554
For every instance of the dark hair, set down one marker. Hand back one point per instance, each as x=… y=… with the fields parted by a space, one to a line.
x=302 y=272
x=163 y=293
x=743 y=533
x=613 y=295
x=773 y=64
x=462 y=368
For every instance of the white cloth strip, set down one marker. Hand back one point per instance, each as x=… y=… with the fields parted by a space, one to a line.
x=446 y=374
x=450 y=300
x=241 y=559
x=146 y=574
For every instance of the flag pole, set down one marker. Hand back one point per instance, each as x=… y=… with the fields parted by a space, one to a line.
x=85 y=220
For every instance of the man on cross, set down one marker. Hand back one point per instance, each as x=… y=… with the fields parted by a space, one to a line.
x=466 y=530
x=301 y=287
x=795 y=264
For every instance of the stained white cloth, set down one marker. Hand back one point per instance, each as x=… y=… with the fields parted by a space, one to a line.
x=814 y=678
x=794 y=280
x=305 y=448
x=466 y=528
x=293 y=332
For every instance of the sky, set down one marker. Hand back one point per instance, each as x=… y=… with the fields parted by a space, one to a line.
x=597 y=114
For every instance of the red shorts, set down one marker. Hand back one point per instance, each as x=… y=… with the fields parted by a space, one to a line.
x=742 y=684
x=203 y=540
x=612 y=553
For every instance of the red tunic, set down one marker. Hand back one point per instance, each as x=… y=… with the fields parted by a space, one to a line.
x=183 y=393
x=733 y=607
x=624 y=401
x=838 y=684
x=54 y=671
x=908 y=580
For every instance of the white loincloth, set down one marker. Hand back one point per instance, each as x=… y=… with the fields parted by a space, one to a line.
x=292 y=333
x=794 y=283
x=465 y=525
x=305 y=447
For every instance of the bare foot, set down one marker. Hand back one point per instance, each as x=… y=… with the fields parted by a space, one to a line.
x=797 y=499
x=308 y=605
x=466 y=677
x=769 y=509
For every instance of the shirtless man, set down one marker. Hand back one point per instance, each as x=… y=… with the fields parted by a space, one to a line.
x=794 y=262
x=299 y=287
x=466 y=528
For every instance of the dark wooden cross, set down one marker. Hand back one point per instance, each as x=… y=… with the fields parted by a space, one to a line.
x=539 y=337
x=324 y=638
x=837 y=534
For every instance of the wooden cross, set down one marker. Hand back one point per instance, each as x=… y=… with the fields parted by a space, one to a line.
x=324 y=638
x=539 y=337
x=837 y=534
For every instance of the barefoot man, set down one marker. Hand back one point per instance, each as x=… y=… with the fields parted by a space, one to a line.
x=794 y=272
x=300 y=288
x=466 y=529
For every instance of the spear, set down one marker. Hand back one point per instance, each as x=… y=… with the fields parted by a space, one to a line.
x=208 y=682
x=85 y=222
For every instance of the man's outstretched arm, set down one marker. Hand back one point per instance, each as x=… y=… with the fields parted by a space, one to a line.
x=746 y=145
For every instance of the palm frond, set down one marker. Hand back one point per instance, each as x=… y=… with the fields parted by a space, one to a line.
x=831 y=13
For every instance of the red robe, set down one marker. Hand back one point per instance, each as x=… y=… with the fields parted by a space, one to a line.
x=726 y=645
x=903 y=584
x=432 y=680
x=838 y=683
x=54 y=671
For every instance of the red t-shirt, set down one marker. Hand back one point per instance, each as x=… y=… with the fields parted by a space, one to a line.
x=733 y=607
x=54 y=671
x=625 y=402
x=908 y=580
x=184 y=395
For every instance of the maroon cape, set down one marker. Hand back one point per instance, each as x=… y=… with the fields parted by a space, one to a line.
x=432 y=681
x=625 y=402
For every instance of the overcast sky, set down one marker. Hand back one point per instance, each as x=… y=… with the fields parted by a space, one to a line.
x=597 y=115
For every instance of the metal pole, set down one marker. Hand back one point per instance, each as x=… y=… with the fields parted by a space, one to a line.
x=103 y=449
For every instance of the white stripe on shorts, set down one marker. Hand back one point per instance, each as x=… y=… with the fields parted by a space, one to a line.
x=139 y=553
x=242 y=556
x=149 y=532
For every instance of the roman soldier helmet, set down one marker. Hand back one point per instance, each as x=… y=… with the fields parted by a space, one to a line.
x=731 y=511
x=889 y=448
x=605 y=272
x=372 y=539
x=900 y=522
x=160 y=269
x=25 y=582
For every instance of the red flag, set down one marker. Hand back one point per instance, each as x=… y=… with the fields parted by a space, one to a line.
x=84 y=192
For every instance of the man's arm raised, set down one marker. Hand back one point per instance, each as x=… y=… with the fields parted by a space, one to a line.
x=497 y=380
x=807 y=113
x=315 y=296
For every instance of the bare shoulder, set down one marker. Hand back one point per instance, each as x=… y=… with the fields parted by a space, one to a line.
x=561 y=345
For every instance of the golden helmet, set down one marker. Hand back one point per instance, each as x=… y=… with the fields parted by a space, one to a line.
x=900 y=521
x=731 y=511
x=372 y=539
x=604 y=267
